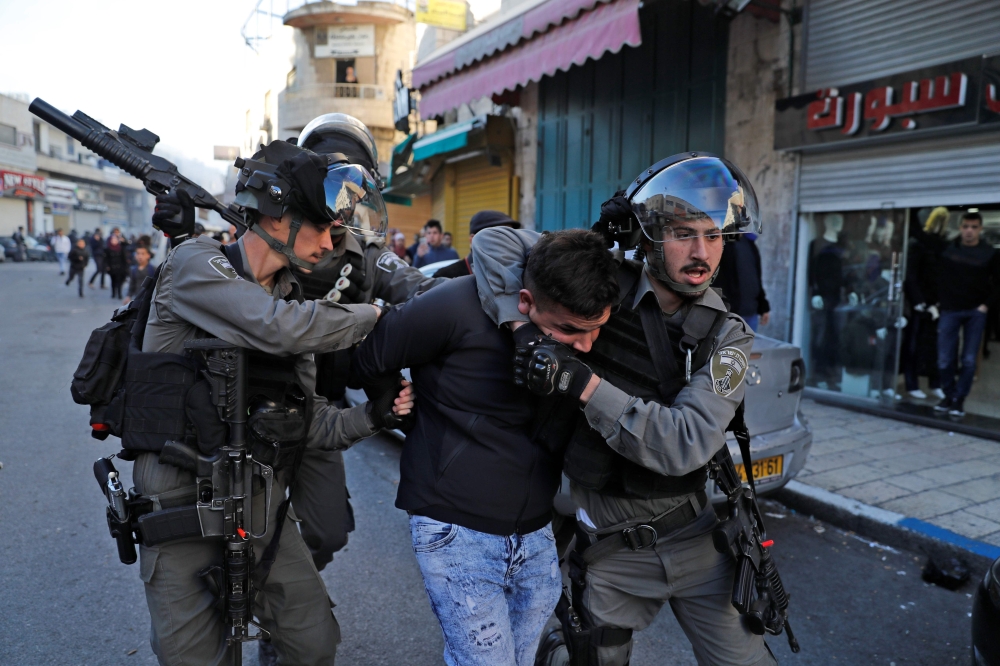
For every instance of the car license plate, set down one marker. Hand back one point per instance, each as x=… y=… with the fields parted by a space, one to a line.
x=764 y=469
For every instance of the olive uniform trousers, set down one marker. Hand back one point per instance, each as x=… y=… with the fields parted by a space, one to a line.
x=187 y=628
x=627 y=589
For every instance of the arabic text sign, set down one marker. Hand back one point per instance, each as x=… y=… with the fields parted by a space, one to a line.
x=22 y=185
x=345 y=41
x=957 y=93
x=448 y=14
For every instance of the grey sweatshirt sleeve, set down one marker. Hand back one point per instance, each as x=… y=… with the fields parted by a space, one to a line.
x=199 y=290
x=331 y=428
x=678 y=439
x=499 y=255
x=393 y=280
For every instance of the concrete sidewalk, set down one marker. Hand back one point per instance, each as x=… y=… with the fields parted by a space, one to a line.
x=943 y=484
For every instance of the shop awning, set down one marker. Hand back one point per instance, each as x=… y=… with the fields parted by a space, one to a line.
x=527 y=51
x=446 y=140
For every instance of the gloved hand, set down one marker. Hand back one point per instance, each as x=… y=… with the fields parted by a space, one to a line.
x=616 y=214
x=382 y=393
x=545 y=366
x=174 y=214
x=351 y=284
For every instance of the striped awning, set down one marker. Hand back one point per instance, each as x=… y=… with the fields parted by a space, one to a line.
x=453 y=79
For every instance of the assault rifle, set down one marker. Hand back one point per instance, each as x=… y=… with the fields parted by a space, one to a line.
x=225 y=487
x=132 y=151
x=757 y=590
x=224 y=507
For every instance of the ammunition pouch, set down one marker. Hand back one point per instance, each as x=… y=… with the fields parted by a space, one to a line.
x=276 y=433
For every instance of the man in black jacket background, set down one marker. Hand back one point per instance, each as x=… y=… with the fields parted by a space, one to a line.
x=969 y=275
x=476 y=480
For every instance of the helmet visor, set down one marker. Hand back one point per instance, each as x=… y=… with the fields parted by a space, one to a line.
x=353 y=200
x=702 y=196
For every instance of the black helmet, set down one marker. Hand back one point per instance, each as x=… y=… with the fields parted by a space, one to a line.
x=322 y=188
x=342 y=133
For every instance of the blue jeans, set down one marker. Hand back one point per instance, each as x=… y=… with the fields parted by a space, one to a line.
x=972 y=323
x=491 y=594
x=753 y=321
x=61 y=257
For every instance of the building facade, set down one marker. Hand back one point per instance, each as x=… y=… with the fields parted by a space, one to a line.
x=23 y=188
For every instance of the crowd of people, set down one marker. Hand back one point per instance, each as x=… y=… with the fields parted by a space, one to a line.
x=124 y=261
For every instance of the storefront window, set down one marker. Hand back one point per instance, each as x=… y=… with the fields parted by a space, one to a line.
x=853 y=274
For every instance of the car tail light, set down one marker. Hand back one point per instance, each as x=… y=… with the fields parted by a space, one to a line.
x=797 y=381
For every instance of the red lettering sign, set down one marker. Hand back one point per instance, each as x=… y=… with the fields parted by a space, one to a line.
x=22 y=185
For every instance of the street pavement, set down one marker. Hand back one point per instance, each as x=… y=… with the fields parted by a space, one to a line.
x=65 y=598
x=943 y=478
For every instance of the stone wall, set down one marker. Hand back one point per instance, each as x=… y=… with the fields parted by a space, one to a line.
x=526 y=152
x=757 y=75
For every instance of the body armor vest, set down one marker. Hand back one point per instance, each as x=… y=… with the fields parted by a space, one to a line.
x=164 y=397
x=334 y=368
x=621 y=355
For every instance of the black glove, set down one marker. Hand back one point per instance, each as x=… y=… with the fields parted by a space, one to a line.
x=545 y=366
x=382 y=392
x=174 y=214
x=616 y=214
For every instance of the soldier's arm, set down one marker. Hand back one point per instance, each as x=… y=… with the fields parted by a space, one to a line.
x=393 y=280
x=411 y=334
x=208 y=296
x=678 y=439
x=499 y=255
x=331 y=428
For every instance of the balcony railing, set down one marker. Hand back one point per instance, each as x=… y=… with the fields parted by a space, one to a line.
x=259 y=26
x=343 y=90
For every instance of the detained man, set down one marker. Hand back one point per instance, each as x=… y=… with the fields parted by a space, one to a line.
x=480 y=469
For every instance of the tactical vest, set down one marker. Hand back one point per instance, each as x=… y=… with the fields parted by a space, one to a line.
x=334 y=368
x=164 y=397
x=621 y=355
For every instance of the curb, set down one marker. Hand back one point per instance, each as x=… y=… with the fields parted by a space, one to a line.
x=888 y=527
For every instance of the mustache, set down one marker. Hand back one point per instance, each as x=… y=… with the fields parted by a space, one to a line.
x=697 y=264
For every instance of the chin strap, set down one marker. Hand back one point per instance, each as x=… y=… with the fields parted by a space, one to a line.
x=286 y=248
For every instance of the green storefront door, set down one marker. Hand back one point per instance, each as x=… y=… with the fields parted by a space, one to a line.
x=601 y=123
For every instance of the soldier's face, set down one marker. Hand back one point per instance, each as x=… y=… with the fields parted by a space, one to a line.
x=312 y=242
x=695 y=254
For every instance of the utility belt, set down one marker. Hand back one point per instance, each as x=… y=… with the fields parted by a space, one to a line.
x=582 y=635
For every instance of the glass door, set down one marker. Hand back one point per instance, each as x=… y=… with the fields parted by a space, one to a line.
x=854 y=271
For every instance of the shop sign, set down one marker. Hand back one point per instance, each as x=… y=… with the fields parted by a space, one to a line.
x=22 y=186
x=960 y=93
x=345 y=41
x=447 y=14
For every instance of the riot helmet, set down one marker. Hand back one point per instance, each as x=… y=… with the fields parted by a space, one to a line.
x=685 y=197
x=282 y=178
x=342 y=133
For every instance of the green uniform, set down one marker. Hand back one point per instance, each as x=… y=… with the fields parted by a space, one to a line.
x=626 y=589
x=200 y=295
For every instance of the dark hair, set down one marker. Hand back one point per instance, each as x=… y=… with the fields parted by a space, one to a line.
x=973 y=216
x=574 y=269
x=433 y=223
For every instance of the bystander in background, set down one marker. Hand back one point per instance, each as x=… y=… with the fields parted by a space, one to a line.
x=79 y=257
x=740 y=280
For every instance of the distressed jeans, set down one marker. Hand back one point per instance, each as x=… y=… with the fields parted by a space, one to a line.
x=491 y=594
x=972 y=324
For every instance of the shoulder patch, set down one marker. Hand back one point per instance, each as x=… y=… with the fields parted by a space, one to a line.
x=224 y=268
x=729 y=366
x=390 y=263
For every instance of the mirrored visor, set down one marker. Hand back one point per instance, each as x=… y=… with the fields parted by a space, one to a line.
x=703 y=196
x=353 y=200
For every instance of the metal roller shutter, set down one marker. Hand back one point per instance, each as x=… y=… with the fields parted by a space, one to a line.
x=13 y=214
x=857 y=40
x=478 y=186
x=943 y=172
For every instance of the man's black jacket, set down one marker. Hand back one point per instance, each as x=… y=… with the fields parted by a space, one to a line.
x=470 y=458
